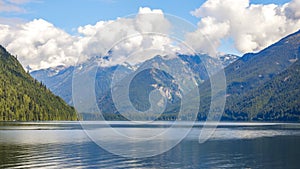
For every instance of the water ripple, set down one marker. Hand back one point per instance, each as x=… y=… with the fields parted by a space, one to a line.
x=232 y=146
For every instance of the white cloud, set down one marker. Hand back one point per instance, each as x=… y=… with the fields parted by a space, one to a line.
x=9 y=7
x=11 y=21
x=13 y=5
x=40 y=44
x=292 y=10
x=125 y=36
x=206 y=39
x=251 y=26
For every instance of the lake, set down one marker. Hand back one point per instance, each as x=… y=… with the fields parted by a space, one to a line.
x=233 y=145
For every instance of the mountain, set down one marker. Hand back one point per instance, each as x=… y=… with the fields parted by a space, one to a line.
x=263 y=86
x=59 y=79
x=254 y=69
x=23 y=98
x=275 y=100
x=141 y=84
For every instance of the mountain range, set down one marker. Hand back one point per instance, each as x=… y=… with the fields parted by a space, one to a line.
x=59 y=79
x=261 y=86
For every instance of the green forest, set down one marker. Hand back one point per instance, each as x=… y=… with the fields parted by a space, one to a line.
x=23 y=98
x=276 y=100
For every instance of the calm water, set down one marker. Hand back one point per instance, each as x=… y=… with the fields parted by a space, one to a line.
x=233 y=145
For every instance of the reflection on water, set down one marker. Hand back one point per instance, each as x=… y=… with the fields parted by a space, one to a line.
x=65 y=145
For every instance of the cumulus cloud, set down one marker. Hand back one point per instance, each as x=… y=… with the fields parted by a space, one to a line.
x=124 y=36
x=207 y=37
x=251 y=26
x=40 y=44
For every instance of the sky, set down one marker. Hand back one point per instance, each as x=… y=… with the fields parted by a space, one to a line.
x=48 y=33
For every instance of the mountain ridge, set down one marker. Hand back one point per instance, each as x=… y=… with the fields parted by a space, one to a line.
x=247 y=80
x=252 y=73
x=60 y=83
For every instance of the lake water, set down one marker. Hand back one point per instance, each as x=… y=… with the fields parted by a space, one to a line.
x=233 y=145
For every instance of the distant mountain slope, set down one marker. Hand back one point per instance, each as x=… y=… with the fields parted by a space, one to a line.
x=253 y=70
x=142 y=84
x=59 y=79
x=153 y=79
x=275 y=100
x=265 y=86
x=24 y=98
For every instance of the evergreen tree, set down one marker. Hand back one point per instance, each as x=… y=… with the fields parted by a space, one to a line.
x=23 y=98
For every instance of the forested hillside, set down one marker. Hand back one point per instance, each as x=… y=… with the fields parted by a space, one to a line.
x=276 y=100
x=23 y=98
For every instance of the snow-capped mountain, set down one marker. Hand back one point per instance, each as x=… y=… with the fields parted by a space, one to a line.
x=59 y=79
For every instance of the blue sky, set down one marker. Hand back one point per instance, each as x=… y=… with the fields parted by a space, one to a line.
x=47 y=33
x=70 y=14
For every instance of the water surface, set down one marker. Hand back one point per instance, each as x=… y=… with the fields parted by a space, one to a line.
x=233 y=145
